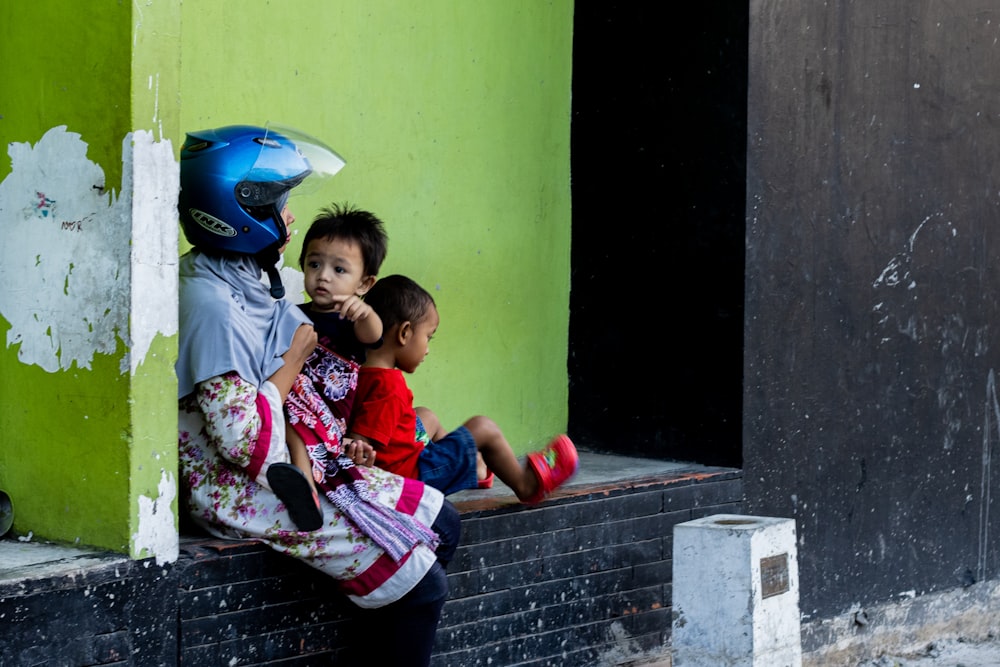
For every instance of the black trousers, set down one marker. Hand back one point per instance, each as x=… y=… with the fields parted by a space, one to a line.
x=402 y=634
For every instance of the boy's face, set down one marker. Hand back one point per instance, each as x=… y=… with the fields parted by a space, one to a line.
x=334 y=268
x=413 y=353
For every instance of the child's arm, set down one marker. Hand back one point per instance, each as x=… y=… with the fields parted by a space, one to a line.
x=298 y=453
x=367 y=324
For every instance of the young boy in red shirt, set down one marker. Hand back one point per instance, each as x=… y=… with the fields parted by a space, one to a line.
x=410 y=441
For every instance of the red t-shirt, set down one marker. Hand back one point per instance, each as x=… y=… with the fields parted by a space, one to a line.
x=383 y=412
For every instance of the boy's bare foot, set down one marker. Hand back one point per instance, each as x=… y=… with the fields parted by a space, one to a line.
x=483 y=473
x=487 y=482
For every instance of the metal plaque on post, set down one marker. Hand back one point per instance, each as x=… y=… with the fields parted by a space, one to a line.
x=773 y=575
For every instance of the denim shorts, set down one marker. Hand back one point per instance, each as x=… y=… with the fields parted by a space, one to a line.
x=449 y=465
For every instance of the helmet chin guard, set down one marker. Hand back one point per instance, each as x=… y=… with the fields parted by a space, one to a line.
x=235 y=181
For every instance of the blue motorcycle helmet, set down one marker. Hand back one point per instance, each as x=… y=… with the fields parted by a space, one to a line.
x=235 y=181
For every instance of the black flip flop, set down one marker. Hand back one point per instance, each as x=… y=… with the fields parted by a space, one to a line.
x=292 y=488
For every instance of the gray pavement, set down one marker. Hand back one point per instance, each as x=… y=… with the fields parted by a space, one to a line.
x=946 y=653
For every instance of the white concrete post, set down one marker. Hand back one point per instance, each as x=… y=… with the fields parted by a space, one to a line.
x=735 y=593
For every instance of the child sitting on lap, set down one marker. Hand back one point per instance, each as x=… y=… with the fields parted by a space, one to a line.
x=341 y=256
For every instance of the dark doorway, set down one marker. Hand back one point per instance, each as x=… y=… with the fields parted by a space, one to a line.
x=659 y=179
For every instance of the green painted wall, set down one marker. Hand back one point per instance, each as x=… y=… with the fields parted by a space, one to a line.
x=88 y=444
x=64 y=459
x=454 y=119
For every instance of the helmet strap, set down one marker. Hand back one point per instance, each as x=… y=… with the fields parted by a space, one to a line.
x=268 y=258
x=268 y=261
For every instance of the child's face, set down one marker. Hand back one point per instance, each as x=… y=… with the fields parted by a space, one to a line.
x=417 y=345
x=334 y=267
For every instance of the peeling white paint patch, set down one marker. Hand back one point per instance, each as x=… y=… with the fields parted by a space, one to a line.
x=63 y=254
x=68 y=254
x=155 y=187
x=157 y=532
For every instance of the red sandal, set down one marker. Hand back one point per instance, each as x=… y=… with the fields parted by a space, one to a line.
x=486 y=482
x=552 y=466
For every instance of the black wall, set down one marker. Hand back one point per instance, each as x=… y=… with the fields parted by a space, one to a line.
x=870 y=407
x=869 y=220
x=658 y=163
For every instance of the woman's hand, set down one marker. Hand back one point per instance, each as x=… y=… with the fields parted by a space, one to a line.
x=303 y=344
x=360 y=452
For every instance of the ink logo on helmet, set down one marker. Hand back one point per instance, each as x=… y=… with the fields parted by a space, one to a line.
x=211 y=224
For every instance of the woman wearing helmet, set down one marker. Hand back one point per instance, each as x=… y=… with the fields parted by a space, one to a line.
x=241 y=348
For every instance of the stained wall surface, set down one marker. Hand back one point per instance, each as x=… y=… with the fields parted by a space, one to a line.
x=870 y=402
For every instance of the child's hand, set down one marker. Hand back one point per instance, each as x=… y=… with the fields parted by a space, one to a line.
x=360 y=452
x=352 y=308
x=367 y=324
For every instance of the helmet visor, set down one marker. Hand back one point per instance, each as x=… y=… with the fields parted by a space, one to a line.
x=286 y=159
x=323 y=160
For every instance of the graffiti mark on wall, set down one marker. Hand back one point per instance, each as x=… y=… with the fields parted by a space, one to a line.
x=898 y=274
x=72 y=225
x=919 y=311
x=897 y=271
x=43 y=206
